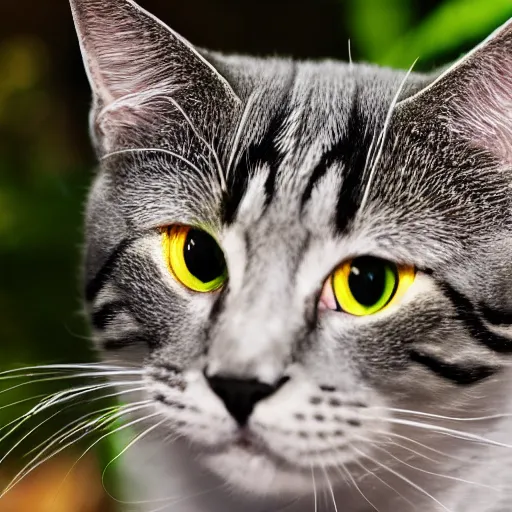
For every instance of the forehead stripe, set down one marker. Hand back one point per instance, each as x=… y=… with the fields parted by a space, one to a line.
x=264 y=153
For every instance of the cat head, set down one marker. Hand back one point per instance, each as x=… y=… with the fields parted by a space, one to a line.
x=293 y=251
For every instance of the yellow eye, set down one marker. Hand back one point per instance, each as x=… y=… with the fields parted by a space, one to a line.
x=194 y=258
x=366 y=285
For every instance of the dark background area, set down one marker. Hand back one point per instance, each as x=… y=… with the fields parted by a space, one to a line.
x=46 y=162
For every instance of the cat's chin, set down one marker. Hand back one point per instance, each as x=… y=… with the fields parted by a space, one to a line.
x=256 y=473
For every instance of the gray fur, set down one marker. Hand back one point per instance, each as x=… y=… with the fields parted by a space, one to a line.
x=174 y=129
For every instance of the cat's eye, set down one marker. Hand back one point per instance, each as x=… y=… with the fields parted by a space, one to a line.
x=366 y=285
x=194 y=258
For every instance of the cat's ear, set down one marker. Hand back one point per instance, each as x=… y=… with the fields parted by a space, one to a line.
x=474 y=96
x=140 y=69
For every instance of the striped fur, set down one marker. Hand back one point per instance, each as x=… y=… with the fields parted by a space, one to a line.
x=297 y=166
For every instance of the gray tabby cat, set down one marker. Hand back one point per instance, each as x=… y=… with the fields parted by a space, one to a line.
x=311 y=262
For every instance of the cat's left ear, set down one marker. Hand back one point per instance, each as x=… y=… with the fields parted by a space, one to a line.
x=140 y=70
x=473 y=97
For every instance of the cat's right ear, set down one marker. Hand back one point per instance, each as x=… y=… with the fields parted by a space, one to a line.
x=140 y=69
x=472 y=98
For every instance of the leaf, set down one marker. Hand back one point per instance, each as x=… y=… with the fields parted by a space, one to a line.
x=373 y=24
x=451 y=27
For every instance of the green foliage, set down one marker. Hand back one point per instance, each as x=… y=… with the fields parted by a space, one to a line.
x=456 y=25
x=386 y=32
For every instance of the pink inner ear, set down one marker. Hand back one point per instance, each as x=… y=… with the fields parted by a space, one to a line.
x=480 y=107
x=484 y=112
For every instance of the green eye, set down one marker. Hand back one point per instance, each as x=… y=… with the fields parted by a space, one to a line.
x=366 y=285
x=194 y=258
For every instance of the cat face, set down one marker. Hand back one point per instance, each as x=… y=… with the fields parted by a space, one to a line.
x=296 y=252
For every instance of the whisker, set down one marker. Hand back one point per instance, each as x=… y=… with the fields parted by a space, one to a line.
x=402 y=477
x=239 y=131
x=408 y=449
x=82 y=366
x=127 y=447
x=30 y=399
x=70 y=394
x=106 y=419
x=153 y=150
x=45 y=404
x=467 y=436
x=351 y=479
x=448 y=477
x=382 y=137
x=448 y=418
x=389 y=486
x=41 y=445
x=204 y=141
x=30 y=467
x=314 y=488
x=417 y=443
x=330 y=488
x=110 y=414
x=88 y=449
x=61 y=431
x=63 y=377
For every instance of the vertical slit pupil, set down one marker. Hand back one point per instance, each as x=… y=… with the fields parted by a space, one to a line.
x=367 y=280
x=203 y=256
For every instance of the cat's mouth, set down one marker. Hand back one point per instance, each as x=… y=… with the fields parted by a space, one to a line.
x=246 y=442
x=249 y=444
x=249 y=464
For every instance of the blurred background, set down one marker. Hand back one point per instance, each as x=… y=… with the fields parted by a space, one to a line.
x=46 y=165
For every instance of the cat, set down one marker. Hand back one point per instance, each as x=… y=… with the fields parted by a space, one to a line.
x=310 y=266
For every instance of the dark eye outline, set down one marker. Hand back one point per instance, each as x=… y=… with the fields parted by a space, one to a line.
x=174 y=238
x=336 y=294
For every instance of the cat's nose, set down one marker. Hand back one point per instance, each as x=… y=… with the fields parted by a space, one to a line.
x=241 y=395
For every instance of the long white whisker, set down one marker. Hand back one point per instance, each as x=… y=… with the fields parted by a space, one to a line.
x=30 y=399
x=314 y=488
x=81 y=420
x=153 y=150
x=65 y=377
x=351 y=479
x=382 y=137
x=417 y=443
x=355 y=484
x=240 y=128
x=402 y=477
x=110 y=414
x=88 y=449
x=389 y=442
x=45 y=404
x=106 y=419
x=30 y=467
x=421 y=470
x=83 y=366
x=468 y=436
x=330 y=488
x=374 y=474
x=448 y=418
x=71 y=394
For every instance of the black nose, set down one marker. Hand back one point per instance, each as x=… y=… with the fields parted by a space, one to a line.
x=240 y=396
